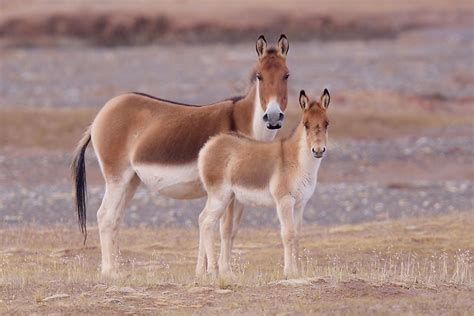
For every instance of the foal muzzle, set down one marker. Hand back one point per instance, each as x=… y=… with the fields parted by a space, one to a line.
x=318 y=153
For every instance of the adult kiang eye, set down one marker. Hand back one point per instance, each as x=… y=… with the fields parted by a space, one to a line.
x=285 y=77
x=306 y=125
x=326 y=125
x=259 y=77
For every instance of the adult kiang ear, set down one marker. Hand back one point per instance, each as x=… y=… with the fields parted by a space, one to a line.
x=325 y=98
x=283 y=45
x=261 y=46
x=304 y=101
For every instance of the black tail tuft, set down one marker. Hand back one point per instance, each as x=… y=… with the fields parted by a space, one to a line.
x=78 y=167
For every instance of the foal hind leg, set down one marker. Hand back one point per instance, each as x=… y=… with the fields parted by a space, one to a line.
x=228 y=229
x=201 y=264
x=118 y=194
x=298 y=221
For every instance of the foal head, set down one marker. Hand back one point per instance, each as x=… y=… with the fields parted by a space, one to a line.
x=316 y=122
x=271 y=75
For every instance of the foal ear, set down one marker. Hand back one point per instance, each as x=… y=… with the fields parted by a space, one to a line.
x=304 y=101
x=325 y=98
x=283 y=45
x=261 y=46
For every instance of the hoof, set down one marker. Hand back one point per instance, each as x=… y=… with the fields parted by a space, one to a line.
x=227 y=275
x=200 y=272
x=205 y=277
x=212 y=275
x=200 y=275
x=110 y=275
x=291 y=275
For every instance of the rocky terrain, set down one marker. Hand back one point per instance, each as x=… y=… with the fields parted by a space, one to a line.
x=409 y=154
x=360 y=181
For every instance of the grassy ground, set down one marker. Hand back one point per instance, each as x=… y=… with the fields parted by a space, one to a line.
x=410 y=266
x=60 y=128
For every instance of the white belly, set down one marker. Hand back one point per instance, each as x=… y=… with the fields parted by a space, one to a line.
x=254 y=197
x=175 y=181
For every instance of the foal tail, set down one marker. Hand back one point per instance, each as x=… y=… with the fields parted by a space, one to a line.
x=78 y=167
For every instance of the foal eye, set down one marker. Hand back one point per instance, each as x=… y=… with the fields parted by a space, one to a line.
x=326 y=125
x=285 y=77
x=306 y=125
x=259 y=77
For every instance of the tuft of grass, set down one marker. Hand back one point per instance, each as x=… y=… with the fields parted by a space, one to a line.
x=224 y=283
x=38 y=297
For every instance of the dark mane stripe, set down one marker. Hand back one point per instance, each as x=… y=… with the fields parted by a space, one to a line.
x=233 y=99
x=164 y=100
x=232 y=126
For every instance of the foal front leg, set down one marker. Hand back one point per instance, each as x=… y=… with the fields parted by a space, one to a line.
x=228 y=229
x=208 y=221
x=285 y=208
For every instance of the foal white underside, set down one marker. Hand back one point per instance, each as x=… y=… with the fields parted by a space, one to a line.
x=253 y=197
x=263 y=197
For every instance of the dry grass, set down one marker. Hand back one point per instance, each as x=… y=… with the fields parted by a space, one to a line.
x=59 y=128
x=419 y=265
x=43 y=127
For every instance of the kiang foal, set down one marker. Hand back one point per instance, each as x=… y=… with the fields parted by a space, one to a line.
x=282 y=173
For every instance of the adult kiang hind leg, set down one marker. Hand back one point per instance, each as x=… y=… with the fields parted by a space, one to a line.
x=118 y=193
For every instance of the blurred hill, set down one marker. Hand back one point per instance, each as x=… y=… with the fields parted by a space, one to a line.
x=116 y=23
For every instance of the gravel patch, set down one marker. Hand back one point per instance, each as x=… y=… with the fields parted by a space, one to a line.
x=45 y=195
x=414 y=64
x=331 y=204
